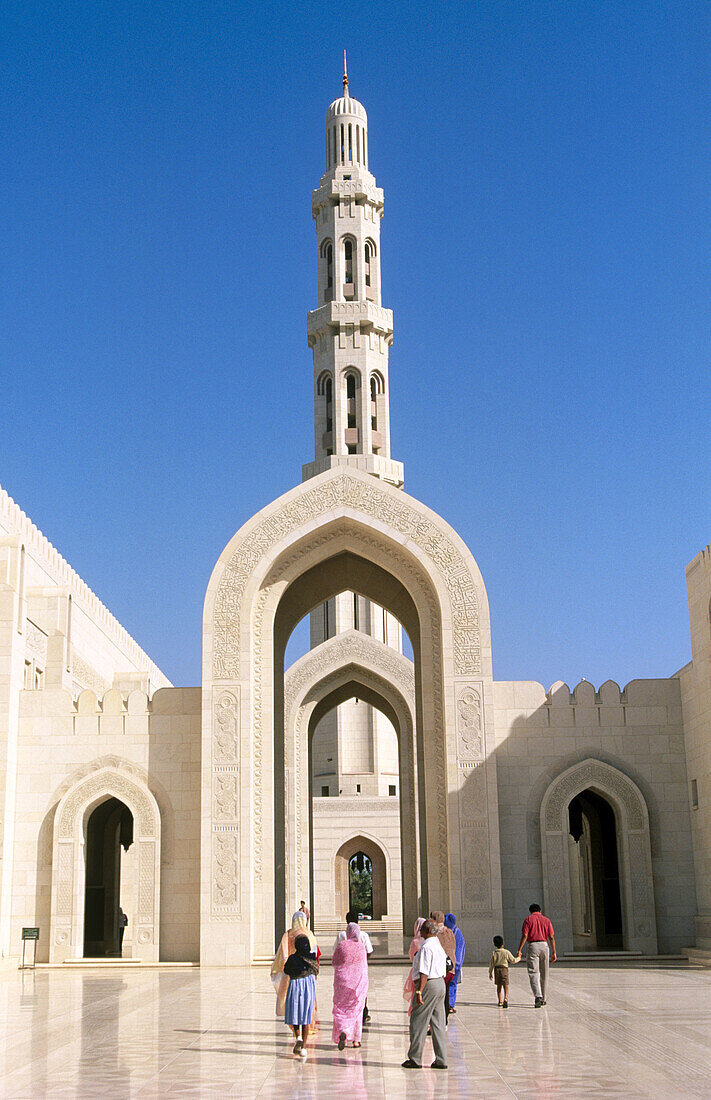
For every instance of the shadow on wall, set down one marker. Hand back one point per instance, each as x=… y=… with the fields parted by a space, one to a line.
x=637 y=732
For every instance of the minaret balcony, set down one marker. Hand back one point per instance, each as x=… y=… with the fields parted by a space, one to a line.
x=357 y=188
x=367 y=314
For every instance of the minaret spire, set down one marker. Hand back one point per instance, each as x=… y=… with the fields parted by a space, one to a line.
x=345 y=75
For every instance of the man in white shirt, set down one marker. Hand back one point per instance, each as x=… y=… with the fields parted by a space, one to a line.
x=352 y=918
x=428 y=970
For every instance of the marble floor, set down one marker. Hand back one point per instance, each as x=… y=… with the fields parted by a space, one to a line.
x=606 y=1032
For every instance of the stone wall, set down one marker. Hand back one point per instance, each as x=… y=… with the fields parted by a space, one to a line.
x=638 y=731
x=157 y=742
x=695 y=684
x=335 y=821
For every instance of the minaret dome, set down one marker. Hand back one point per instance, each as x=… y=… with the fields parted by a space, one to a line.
x=346 y=133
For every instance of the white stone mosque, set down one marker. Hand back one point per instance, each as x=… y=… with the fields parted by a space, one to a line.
x=357 y=776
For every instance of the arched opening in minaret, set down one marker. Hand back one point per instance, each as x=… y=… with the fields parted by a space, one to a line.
x=348 y=268
x=109 y=837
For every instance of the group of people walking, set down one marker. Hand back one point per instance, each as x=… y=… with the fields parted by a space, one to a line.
x=436 y=953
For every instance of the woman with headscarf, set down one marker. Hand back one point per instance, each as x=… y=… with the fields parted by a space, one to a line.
x=350 y=987
x=450 y=921
x=415 y=946
x=280 y=980
x=301 y=968
x=446 y=938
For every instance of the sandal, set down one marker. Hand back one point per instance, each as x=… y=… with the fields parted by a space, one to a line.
x=357 y=1044
x=342 y=1040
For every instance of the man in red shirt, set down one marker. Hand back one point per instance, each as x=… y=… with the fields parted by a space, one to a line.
x=536 y=932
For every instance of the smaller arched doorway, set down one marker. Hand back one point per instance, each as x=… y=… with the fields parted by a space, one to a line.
x=109 y=878
x=605 y=810
x=361 y=878
x=596 y=903
x=93 y=862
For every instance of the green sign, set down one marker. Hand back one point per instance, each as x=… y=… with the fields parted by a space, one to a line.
x=30 y=933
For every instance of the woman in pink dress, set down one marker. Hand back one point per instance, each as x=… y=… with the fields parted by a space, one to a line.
x=350 y=988
x=415 y=946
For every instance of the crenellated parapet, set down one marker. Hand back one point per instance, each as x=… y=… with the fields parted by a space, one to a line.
x=113 y=713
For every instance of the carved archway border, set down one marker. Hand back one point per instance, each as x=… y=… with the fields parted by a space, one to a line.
x=374 y=501
x=373 y=545
x=68 y=858
x=634 y=851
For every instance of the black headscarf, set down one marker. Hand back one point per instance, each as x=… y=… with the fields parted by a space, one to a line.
x=301 y=963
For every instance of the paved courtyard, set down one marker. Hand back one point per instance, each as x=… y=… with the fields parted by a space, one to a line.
x=176 y=1032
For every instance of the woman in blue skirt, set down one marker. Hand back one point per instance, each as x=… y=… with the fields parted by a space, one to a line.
x=302 y=968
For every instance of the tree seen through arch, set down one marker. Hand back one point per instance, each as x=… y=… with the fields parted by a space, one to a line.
x=360 y=879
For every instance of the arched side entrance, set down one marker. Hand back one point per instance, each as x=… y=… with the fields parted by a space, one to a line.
x=343 y=531
x=599 y=785
x=69 y=860
x=350 y=663
x=108 y=878
x=346 y=856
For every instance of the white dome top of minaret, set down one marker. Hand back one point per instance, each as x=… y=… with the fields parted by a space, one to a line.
x=346 y=105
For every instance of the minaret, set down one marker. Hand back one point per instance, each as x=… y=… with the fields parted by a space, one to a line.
x=349 y=332
x=355 y=746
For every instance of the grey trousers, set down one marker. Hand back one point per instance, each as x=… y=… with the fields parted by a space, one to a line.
x=429 y=1014
x=537 y=962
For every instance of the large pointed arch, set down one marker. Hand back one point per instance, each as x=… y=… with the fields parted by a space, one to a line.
x=342 y=530
x=316 y=682
x=634 y=851
x=68 y=852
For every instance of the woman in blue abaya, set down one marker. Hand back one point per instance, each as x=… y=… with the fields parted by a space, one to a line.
x=450 y=921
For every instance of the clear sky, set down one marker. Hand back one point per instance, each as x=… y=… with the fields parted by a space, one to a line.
x=546 y=251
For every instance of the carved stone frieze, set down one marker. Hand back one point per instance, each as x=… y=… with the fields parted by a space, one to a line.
x=225 y=748
x=375 y=502
x=87 y=678
x=470 y=724
x=593 y=773
x=35 y=642
x=225 y=881
x=111 y=784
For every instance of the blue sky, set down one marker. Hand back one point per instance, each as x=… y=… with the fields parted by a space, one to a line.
x=546 y=250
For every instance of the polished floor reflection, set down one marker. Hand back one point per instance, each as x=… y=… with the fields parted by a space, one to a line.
x=606 y=1032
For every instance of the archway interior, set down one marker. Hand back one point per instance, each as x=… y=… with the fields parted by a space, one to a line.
x=360 y=875
x=344 y=572
x=109 y=834
x=393 y=897
x=594 y=873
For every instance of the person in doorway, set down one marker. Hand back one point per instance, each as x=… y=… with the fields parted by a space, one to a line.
x=303 y=908
x=122 y=926
x=350 y=987
x=446 y=937
x=536 y=933
x=501 y=959
x=352 y=918
x=279 y=977
x=415 y=945
x=450 y=921
x=301 y=968
x=428 y=970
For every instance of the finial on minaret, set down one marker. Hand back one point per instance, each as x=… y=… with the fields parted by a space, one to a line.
x=345 y=75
